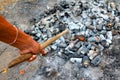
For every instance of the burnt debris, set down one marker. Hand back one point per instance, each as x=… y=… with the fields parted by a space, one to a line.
x=90 y=24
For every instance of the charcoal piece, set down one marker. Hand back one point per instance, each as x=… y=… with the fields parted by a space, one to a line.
x=103 y=42
x=85 y=61
x=73 y=26
x=70 y=51
x=32 y=33
x=109 y=35
x=78 y=55
x=35 y=20
x=38 y=34
x=117 y=26
x=78 y=12
x=93 y=17
x=90 y=27
x=101 y=48
x=62 y=45
x=46 y=12
x=52 y=11
x=77 y=45
x=54 y=47
x=47 y=71
x=99 y=27
x=89 y=46
x=103 y=32
x=118 y=13
x=93 y=47
x=109 y=41
x=102 y=37
x=43 y=15
x=36 y=38
x=62 y=26
x=58 y=7
x=64 y=4
x=92 y=54
x=73 y=49
x=96 y=60
x=28 y=31
x=66 y=55
x=51 y=73
x=108 y=29
x=80 y=4
x=85 y=6
x=80 y=49
x=94 y=39
x=91 y=39
x=76 y=60
x=84 y=50
x=72 y=3
x=66 y=14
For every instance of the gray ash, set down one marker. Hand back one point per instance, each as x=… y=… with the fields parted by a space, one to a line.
x=94 y=20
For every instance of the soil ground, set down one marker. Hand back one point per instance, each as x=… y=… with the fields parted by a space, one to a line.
x=22 y=13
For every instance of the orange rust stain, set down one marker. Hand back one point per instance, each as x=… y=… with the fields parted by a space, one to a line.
x=81 y=38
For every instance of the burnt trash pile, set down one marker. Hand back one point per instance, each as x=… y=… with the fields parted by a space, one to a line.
x=91 y=26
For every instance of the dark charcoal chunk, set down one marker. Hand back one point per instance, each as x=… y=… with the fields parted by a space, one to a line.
x=57 y=7
x=52 y=11
x=67 y=15
x=62 y=26
x=96 y=60
x=64 y=4
x=28 y=31
x=72 y=4
x=78 y=12
x=85 y=6
x=36 y=38
x=93 y=17
x=80 y=4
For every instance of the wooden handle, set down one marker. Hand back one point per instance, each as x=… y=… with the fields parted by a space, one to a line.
x=25 y=57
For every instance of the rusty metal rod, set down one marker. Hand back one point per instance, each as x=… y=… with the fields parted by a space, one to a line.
x=25 y=57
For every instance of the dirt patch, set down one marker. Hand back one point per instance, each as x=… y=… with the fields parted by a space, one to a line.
x=112 y=71
x=5 y=3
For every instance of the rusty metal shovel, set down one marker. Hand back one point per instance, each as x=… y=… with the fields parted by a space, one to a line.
x=25 y=57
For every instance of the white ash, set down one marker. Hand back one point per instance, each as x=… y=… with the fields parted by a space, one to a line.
x=90 y=22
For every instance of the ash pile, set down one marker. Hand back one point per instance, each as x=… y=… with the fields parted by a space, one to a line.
x=91 y=25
